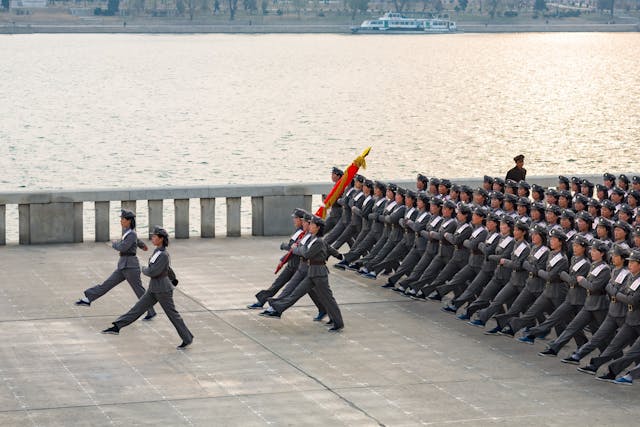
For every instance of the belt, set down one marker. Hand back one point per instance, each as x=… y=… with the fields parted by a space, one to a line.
x=125 y=254
x=312 y=262
x=165 y=274
x=530 y=275
x=630 y=307
x=595 y=292
x=476 y=252
x=613 y=299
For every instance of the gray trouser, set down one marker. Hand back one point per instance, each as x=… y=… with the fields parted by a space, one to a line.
x=335 y=232
x=407 y=265
x=487 y=295
x=625 y=336
x=166 y=302
x=522 y=302
x=459 y=281
x=420 y=267
x=582 y=319
x=630 y=356
x=542 y=304
x=506 y=296
x=348 y=236
x=448 y=272
x=635 y=372
x=281 y=280
x=559 y=319
x=375 y=249
x=291 y=286
x=602 y=337
x=362 y=248
x=474 y=289
x=131 y=275
x=435 y=267
x=393 y=259
x=321 y=286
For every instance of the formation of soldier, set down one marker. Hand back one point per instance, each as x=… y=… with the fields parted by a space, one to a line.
x=527 y=258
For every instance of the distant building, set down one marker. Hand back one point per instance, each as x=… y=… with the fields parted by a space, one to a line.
x=27 y=4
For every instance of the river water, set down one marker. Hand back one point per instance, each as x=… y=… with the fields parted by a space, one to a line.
x=118 y=111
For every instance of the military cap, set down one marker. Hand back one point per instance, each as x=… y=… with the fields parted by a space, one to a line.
x=392 y=187
x=568 y=214
x=564 y=193
x=160 y=232
x=585 y=216
x=606 y=203
x=524 y=184
x=618 y=191
x=511 y=183
x=481 y=211
x=579 y=239
x=497 y=195
x=337 y=171
x=445 y=182
x=424 y=196
x=510 y=198
x=492 y=216
x=317 y=220
x=587 y=183
x=623 y=178
x=552 y=191
x=563 y=178
x=621 y=250
x=608 y=177
x=624 y=207
x=635 y=179
x=401 y=191
x=537 y=189
x=456 y=188
x=594 y=203
x=466 y=189
x=522 y=224
x=634 y=255
x=464 y=208
x=623 y=225
x=555 y=209
x=518 y=158
x=437 y=201
x=449 y=204
x=636 y=230
x=488 y=179
x=127 y=214
x=481 y=191
x=537 y=206
x=368 y=183
x=423 y=178
x=581 y=198
x=604 y=222
x=411 y=193
x=575 y=180
x=508 y=219
x=523 y=201
x=600 y=187
x=381 y=185
x=558 y=234
x=498 y=180
x=359 y=178
x=540 y=229
x=434 y=181
x=635 y=194
x=308 y=217
x=298 y=213
x=600 y=246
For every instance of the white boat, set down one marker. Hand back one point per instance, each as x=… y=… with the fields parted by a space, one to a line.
x=392 y=22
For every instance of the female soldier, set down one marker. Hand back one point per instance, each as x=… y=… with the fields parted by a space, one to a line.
x=160 y=290
x=128 y=265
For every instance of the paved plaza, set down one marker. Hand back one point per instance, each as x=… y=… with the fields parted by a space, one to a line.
x=398 y=362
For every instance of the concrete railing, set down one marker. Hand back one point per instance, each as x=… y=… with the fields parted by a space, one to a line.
x=57 y=216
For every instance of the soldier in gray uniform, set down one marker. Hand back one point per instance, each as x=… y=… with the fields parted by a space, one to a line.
x=160 y=290
x=616 y=311
x=128 y=265
x=516 y=282
x=555 y=289
x=354 y=205
x=534 y=285
x=360 y=219
x=629 y=331
x=316 y=251
x=574 y=301
x=596 y=303
x=292 y=263
x=336 y=210
x=343 y=201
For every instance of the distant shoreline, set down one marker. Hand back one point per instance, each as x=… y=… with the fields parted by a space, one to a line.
x=133 y=28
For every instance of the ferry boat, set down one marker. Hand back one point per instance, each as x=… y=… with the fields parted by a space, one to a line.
x=392 y=22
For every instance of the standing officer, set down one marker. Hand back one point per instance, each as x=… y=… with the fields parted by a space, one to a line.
x=160 y=290
x=128 y=265
x=518 y=172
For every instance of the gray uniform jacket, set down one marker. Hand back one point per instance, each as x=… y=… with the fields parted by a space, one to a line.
x=345 y=202
x=416 y=225
x=294 y=260
x=519 y=255
x=445 y=248
x=127 y=248
x=433 y=225
x=316 y=251
x=158 y=271
x=594 y=283
x=554 y=288
x=580 y=266
x=503 y=251
x=477 y=237
x=537 y=260
x=462 y=233
x=618 y=277
x=356 y=203
x=363 y=212
x=377 y=214
x=488 y=248
x=408 y=234
x=393 y=221
x=630 y=295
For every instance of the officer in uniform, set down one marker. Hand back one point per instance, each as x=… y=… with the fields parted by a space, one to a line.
x=160 y=291
x=128 y=265
x=518 y=172
x=336 y=210
x=345 y=214
x=360 y=222
x=353 y=222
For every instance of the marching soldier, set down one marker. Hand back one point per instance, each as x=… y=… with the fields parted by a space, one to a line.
x=352 y=222
x=336 y=210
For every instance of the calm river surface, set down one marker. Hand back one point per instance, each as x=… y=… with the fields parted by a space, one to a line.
x=81 y=111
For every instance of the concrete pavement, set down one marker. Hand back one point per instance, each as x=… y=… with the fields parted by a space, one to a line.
x=398 y=362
